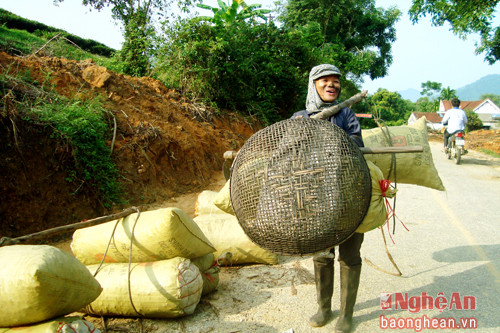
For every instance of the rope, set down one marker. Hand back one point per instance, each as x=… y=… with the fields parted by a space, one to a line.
x=107 y=247
x=390 y=212
x=388 y=137
x=384 y=186
x=390 y=258
x=129 y=257
x=129 y=265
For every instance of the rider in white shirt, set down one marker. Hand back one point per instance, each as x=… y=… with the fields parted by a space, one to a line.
x=455 y=118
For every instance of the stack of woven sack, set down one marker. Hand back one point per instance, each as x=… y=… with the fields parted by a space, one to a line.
x=154 y=264
x=39 y=285
x=215 y=217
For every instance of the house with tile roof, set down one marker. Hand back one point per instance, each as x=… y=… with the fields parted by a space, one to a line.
x=487 y=111
x=433 y=119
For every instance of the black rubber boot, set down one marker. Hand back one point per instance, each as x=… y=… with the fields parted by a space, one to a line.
x=349 y=282
x=323 y=275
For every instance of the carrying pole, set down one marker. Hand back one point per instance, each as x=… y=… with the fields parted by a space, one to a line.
x=66 y=228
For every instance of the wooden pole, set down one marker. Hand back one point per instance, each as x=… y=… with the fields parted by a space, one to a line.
x=328 y=112
x=231 y=154
x=67 y=228
x=390 y=150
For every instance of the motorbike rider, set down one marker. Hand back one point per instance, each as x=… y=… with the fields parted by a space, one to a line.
x=323 y=92
x=456 y=119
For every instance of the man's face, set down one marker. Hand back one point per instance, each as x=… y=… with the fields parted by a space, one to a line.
x=328 y=88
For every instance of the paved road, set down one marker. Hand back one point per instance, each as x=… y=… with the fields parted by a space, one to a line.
x=452 y=247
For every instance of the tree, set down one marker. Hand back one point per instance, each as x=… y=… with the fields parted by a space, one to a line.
x=466 y=17
x=448 y=94
x=390 y=107
x=492 y=97
x=136 y=17
x=430 y=88
x=357 y=35
x=424 y=104
x=256 y=69
x=225 y=14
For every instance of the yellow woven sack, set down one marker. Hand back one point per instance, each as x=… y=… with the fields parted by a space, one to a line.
x=40 y=282
x=223 y=199
x=161 y=289
x=226 y=234
x=377 y=212
x=209 y=272
x=159 y=234
x=59 y=325
x=411 y=168
x=205 y=204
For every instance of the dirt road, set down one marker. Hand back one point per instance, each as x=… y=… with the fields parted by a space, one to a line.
x=451 y=247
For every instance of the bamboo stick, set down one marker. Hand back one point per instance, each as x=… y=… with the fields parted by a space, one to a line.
x=371 y=150
x=328 y=112
x=390 y=150
x=67 y=228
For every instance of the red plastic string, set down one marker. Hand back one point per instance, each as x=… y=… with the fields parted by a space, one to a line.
x=384 y=186
x=64 y=325
x=90 y=330
x=210 y=278
x=217 y=263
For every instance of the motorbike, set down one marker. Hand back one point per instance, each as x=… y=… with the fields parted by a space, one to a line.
x=456 y=146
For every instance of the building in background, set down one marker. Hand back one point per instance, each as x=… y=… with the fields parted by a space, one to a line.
x=487 y=111
x=433 y=119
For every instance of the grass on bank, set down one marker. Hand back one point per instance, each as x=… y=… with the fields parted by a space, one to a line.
x=83 y=125
x=20 y=42
x=489 y=152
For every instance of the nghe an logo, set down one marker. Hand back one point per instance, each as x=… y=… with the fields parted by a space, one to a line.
x=386 y=301
x=414 y=304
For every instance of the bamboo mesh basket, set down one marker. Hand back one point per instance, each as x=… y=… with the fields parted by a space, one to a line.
x=300 y=186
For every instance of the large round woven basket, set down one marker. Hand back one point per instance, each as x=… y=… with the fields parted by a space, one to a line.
x=300 y=186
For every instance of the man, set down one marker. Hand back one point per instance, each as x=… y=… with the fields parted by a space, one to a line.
x=323 y=91
x=455 y=118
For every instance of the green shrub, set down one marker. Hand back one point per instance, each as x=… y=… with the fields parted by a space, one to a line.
x=474 y=123
x=257 y=69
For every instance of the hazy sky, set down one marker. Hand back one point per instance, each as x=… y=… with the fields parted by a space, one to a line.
x=421 y=52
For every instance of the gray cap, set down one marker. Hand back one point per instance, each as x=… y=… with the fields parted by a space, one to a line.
x=323 y=70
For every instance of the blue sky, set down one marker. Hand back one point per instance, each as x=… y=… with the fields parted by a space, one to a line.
x=421 y=53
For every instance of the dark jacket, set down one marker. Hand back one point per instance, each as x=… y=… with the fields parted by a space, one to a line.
x=345 y=119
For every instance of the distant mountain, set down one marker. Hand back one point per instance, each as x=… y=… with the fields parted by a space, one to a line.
x=489 y=84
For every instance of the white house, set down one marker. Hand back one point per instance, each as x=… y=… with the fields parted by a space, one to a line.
x=433 y=119
x=487 y=111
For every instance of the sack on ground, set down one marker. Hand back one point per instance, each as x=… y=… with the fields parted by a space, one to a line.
x=411 y=168
x=58 y=325
x=40 y=282
x=224 y=231
x=159 y=234
x=209 y=271
x=205 y=204
x=223 y=199
x=161 y=289
x=377 y=212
